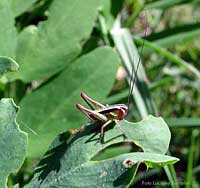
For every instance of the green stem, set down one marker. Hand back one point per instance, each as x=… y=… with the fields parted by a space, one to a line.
x=190 y=161
x=138 y=5
x=171 y=174
x=104 y=30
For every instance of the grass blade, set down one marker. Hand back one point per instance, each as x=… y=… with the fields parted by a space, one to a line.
x=165 y=4
x=171 y=174
x=130 y=57
x=183 y=122
x=190 y=161
x=177 y=35
x=196 y=170
x=185 y=66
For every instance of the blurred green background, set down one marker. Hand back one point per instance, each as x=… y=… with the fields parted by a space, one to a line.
x=168 y=83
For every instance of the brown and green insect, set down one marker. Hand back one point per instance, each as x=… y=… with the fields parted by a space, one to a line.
x=103 y=113
x=110 y=113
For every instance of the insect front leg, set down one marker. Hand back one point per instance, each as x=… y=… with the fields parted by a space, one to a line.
x=102 y=129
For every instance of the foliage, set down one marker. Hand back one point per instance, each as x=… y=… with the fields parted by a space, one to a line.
x=69 y=161
x=7 y=64
x=59 y=113
x=66 y=47
x=13 y=142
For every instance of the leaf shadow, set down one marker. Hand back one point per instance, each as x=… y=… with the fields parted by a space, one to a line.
x=51 y=160
x=126 y=177
x=94 y=130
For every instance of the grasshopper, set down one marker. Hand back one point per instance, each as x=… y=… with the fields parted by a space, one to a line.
x=110 y=113
x=103 y=113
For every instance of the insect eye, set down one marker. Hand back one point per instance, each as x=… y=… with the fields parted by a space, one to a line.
x=125 y=109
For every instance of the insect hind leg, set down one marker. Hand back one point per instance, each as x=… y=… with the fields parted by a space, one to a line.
x=91 y=102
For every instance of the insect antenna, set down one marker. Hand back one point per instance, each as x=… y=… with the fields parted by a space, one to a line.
x=133 y=75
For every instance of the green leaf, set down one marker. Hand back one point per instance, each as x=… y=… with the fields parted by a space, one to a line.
x=8 y=34
x=44 y=50
x=19 y=6
x=51 y=108
x=69 y=161
x=13 y=142
x=7 y=64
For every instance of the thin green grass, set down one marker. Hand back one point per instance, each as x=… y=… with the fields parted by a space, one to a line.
x=183 y=65
x=188 y=180
x=165 y=4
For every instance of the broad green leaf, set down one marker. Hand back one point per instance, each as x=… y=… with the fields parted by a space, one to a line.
x=8 y=34
x=69 y=161
x=19 y=6
x=7 y=64
x=51 y=108
x=44 y=50
x=13 y=142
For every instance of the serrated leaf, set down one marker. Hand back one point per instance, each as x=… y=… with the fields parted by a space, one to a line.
x=8 y=33
x=13 y=142
x=44 y=50
x=7 y=64
x=69 y=161
x=51 y=108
